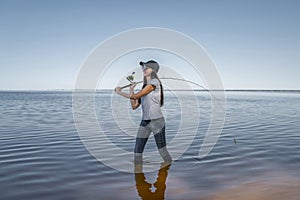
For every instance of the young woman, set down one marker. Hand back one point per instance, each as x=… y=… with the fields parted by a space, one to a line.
x=151 y=97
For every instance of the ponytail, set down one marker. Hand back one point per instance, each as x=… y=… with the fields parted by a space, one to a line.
x=154 y=75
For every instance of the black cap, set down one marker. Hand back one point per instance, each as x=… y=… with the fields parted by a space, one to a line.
x=151 y=64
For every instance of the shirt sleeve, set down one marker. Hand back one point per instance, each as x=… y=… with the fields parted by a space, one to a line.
x=154 y=82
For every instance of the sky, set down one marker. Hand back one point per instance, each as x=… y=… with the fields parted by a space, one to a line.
x=254 y=44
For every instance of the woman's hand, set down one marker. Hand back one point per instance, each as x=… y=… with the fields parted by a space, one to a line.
x=132 y=86
x=118 y=90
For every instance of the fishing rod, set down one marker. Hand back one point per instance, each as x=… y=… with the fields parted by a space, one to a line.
x=169 y=78
x=131 y=77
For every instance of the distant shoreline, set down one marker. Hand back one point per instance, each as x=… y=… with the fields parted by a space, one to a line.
x=196 y=90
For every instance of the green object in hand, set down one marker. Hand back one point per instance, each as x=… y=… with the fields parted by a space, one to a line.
x=130 y=77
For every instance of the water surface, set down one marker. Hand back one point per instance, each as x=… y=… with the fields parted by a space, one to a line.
x=42 y=156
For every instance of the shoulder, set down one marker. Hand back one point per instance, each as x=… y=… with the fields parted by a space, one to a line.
x=154 y=82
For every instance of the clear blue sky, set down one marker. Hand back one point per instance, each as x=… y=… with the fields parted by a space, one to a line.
x=254 y=44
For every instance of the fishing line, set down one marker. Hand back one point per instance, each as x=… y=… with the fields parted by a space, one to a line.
x=187 y=81
x=176 y=79
x=170 y=78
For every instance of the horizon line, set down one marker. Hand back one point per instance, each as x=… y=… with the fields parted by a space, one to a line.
x=107 y=89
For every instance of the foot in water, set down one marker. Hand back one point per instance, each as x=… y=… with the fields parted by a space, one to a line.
x=165 y=164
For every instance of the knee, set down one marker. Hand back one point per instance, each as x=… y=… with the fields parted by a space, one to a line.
x=139 y=145
x=160 y=140
x=137 y=149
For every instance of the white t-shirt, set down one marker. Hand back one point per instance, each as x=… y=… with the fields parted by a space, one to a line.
x=151 y=102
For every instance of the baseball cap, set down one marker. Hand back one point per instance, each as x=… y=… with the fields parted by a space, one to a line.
x=151 y=64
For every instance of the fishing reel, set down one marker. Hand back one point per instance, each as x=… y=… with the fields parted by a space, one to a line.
x=130 y=78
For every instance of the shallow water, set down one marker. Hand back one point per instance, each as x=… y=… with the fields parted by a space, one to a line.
x=42 y=156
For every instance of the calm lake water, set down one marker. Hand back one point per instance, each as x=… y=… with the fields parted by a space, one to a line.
x=256 y=157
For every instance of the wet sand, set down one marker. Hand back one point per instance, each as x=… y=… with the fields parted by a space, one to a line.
x=279 y=189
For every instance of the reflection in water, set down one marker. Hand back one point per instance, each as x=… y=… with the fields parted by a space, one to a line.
x=144 y=188
x=268 y=188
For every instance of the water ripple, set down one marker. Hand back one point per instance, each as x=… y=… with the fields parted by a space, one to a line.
x=42 y=156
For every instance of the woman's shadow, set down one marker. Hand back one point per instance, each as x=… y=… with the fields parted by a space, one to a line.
x=144 y=188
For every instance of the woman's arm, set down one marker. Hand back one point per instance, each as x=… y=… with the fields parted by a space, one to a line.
x=126 y=95
x=146 y=90
x=134 y=102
